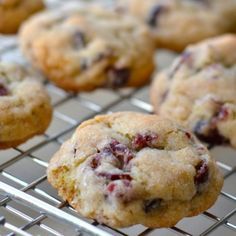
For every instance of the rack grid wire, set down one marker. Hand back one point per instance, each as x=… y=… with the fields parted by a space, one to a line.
x=29 y=206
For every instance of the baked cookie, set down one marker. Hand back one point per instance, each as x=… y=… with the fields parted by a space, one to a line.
x=177 y=23
x=14 y=12
x=129 y=168
x=25 y=108
x=198 y=90
x=84 y=48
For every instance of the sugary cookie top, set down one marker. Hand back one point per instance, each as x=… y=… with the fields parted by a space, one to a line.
x=129 y=168
x=151 y=10
x=198 y=90
x=103 y=47
x=25 y=108
x=12 y=76
x=130 y=156
x=185 y=21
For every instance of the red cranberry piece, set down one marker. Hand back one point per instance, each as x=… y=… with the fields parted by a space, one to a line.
x=144 y=140
x=122 y=190
x=223 y=113
x=154 y=14
x=118 y=77
x=121 y=152
x=202 y=173
x=151 y=205
x=116 y=176
x=112 y=186
x=3 y=90
x=96 y=161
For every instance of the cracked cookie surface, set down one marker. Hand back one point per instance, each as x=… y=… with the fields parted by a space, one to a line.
x=130 y=168
x=198 y=90
x=25 y=108
x=14 y=12
x=177 y=23
x=84 y=48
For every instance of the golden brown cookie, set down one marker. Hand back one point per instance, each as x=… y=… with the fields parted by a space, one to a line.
x=25 y=108
x=130 y=168
x=85 y=48
x=14 y=12
x=198 y=90
x=178 y=23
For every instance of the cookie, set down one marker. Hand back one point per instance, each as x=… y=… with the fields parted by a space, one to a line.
x=198 y=90
x=130 y=168
x=177 y=23
x=14 y=12
x=25 y=108
x=85 y=48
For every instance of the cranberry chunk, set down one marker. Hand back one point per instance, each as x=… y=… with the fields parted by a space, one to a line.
x=96 y=161
x=151 y=205
x=202 y=173
x=121 y=152
x=223 y=113
x=3 y=90
x=153 y=15
x=118 y=77
x=111 y=187
x=116 y=176
x=144 y=140
x=122 y=191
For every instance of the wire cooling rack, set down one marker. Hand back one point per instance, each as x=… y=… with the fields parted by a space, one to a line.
x=29 y=206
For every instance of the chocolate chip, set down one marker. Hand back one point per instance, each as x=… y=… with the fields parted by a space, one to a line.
x=118 y=77
x=151 y=204
x=3 y=90
x=79 y=39
x=202 y=173
x=153 y=15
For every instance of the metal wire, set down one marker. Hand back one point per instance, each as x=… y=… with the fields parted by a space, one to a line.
x=38 y=206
